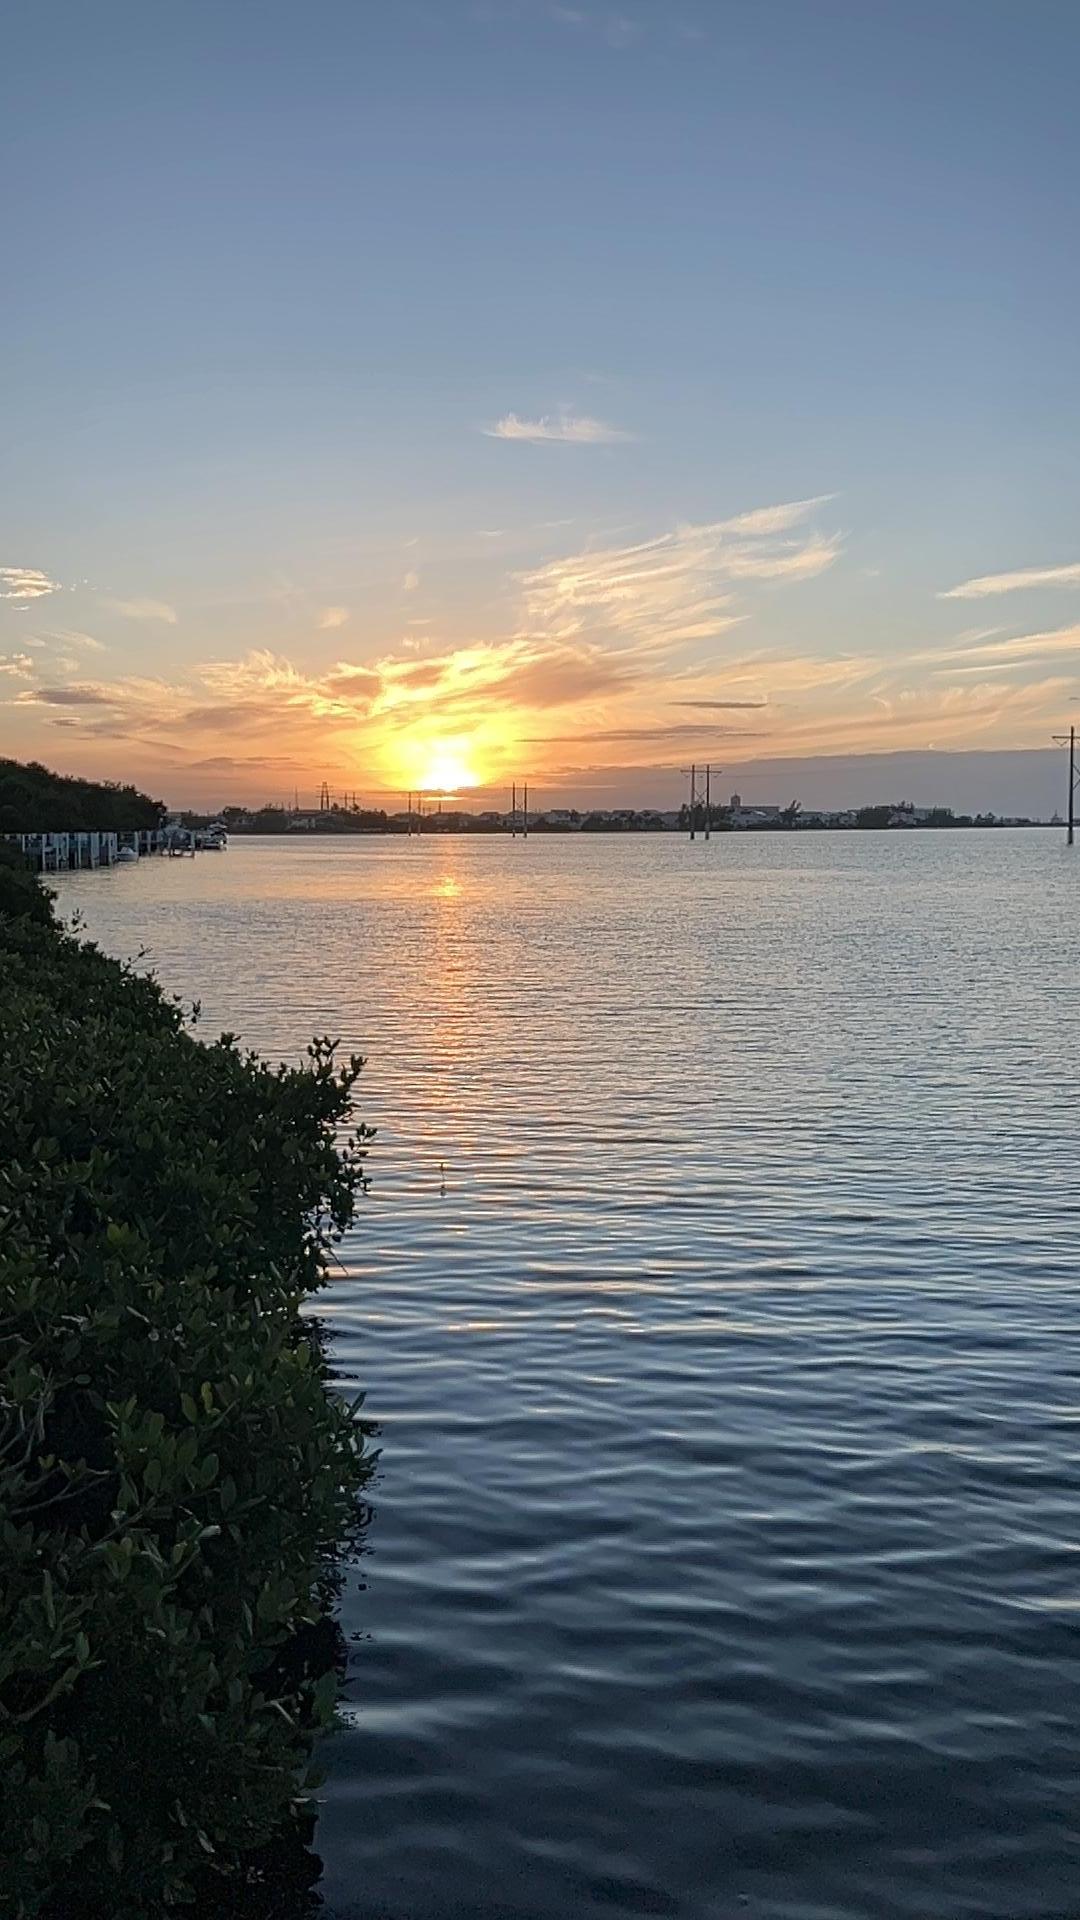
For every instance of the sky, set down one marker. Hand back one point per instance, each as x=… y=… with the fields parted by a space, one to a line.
x=428 y=395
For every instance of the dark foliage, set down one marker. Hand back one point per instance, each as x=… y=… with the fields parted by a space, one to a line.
x=176 y=1476
x=19 y=891
x=33 y=800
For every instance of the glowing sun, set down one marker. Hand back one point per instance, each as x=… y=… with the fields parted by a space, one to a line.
x=446 y=768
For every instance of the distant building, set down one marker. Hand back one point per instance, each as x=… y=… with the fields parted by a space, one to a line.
x=745 y=818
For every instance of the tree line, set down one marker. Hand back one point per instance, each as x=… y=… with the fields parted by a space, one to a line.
x=35 y=800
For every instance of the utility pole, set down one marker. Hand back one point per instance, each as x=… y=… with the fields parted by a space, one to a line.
x=525 y=813
x=700 y=799
x=1069 y=740
x=513 y=813
x=700 y=807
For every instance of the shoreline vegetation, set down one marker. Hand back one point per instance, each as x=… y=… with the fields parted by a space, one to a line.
x=178 y=1478
x=440 y=818
x=35 y=800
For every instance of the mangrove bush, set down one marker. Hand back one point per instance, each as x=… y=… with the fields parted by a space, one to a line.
x=33 y=799
x=176 y=1474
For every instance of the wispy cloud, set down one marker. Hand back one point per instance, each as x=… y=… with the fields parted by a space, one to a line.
x=23 y=584
x=575 y=429
x=653 y=736
x=720 y=706
x=677 y=588
x=761 y=521
x=19 y=665
x=1022 y=648
x=72 y=637
x=141 y=609
x=411 y=581
x=618 y=29
x=332 y=617
x=988 y=584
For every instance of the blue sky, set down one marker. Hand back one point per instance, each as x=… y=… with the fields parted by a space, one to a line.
x=401 y=386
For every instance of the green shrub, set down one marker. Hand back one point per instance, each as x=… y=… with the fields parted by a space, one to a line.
x=176 y=1475
x=35 y=800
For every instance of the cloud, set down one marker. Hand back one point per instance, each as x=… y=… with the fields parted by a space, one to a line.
x=674 y=590
x=72 y=637
x=332 y=617
x=360 y=684
x=19 y=665
x=545 y=676
x=575 y=429
x=988 y=584
x=144 y=610
x=23 y=584
x=767 y=520
x=719 y=706
x=411 y=581
x=260 y=670
x=620 y=30
x=68 y=697
x=654 y=735
x=894 y=713
x=232 y=716
x=787 y=561
x=1018 y=651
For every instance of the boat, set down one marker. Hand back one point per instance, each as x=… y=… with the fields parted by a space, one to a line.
x=126 y=855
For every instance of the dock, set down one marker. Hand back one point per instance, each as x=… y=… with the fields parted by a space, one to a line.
x=72 y=852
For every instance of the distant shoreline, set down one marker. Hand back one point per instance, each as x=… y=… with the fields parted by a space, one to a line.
x=436 y=829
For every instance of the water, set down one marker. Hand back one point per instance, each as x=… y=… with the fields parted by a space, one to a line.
x=717 y=1295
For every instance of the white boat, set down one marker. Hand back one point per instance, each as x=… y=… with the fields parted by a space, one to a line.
x=127 y=855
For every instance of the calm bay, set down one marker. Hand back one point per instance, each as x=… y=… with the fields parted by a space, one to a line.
x=716 y=1296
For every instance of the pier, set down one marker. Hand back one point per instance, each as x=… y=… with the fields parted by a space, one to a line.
x=72 y=852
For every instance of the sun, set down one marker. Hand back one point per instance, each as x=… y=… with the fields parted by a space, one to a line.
x=445 y=768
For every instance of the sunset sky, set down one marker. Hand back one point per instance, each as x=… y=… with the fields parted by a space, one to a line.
x=428 y=394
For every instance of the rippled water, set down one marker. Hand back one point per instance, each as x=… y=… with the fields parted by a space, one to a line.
x=718 y=1297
